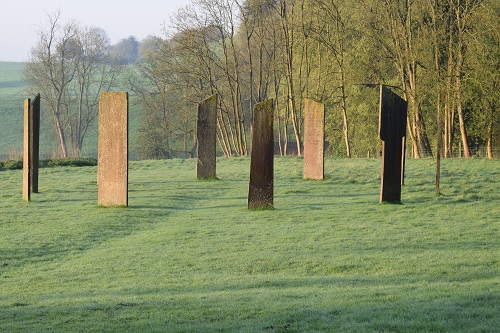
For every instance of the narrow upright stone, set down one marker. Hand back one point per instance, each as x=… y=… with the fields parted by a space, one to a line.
x=34 y=142
x=392 y=130
x=26 y=151
x=314 y=140
x=261 y=187
x=206 y=131
x=112 y=172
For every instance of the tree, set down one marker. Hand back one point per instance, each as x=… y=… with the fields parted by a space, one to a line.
x=395 y=26
x=148 y=44
x=483 y=58
x=443 y=55
x=326 y=25
x=126 y=51
x=287 y=20
x=69 y=67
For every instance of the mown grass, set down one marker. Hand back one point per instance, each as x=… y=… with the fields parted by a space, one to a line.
x=187 y=255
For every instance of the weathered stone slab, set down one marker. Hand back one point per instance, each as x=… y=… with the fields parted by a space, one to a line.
x=314 y=139
x=26 y=151
x=34 y=143
x=392 y=130
x=112 y=172
x=261 y=187
x=206 y=131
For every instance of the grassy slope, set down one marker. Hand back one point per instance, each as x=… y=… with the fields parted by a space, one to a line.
x=11 y=107
x=187 y=256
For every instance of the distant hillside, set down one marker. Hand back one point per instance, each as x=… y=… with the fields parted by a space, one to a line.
x=12 y=95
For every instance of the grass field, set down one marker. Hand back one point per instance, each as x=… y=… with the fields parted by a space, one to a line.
x=187 y=256
x=11 y=108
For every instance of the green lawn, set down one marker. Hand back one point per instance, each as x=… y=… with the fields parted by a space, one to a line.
x=187 y=256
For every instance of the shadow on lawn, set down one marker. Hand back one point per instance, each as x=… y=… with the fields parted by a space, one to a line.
x=301 y=305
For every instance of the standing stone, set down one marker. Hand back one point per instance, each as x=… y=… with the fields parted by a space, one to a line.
x=112 y=172
x=261 y=187
x=392 y=130
x=26 y=151
x=34 y=143
x=206 y=131
x=314 y=142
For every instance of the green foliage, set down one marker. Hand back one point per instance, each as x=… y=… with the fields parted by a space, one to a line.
x=188 y=256
x=154 y=136
x=13 y=165
x=75 y=162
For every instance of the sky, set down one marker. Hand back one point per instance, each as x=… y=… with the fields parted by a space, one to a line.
x=21 y=19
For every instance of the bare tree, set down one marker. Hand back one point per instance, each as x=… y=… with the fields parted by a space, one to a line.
x=68 y=66
x=49 y=70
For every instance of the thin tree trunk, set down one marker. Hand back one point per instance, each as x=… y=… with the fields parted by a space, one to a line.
x=460 y=112
x=279 y=134
x=285 y=129
x=439 y=144
x=62 y=138
x=288 y=38
x=344 y=114
x=413 y=140
x=489 y=140
x=463 y=130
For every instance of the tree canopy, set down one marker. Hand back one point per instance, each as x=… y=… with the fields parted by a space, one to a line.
x=442 y=55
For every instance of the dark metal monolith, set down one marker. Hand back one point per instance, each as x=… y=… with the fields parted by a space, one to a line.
x=261 y=187
x=392 y=130
x=206 y=131
x=112 y=171
x=34 y=142
x=314 y=139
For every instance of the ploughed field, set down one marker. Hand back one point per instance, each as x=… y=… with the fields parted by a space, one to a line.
x=188 y=256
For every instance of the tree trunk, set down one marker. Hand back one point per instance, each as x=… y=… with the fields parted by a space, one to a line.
x=288 y=49
x=61 y=136
x=463 y=130
x=489 y=148
x=439 y=143
x=344 y=114
x=458 y=91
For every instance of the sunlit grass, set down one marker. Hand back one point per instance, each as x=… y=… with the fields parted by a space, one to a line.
x=188 y=256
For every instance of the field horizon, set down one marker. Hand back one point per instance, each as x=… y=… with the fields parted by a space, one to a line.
x=188 y=256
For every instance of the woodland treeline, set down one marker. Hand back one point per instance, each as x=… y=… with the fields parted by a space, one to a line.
x=442 y=56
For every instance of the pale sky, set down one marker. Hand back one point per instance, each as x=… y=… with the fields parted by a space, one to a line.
x=120 y=19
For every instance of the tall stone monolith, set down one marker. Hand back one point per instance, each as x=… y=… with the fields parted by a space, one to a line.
x=206 y=131
x=261 y=186
x=314 y=139
x=392 y=130
x=112 y=169
x=26 y=150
